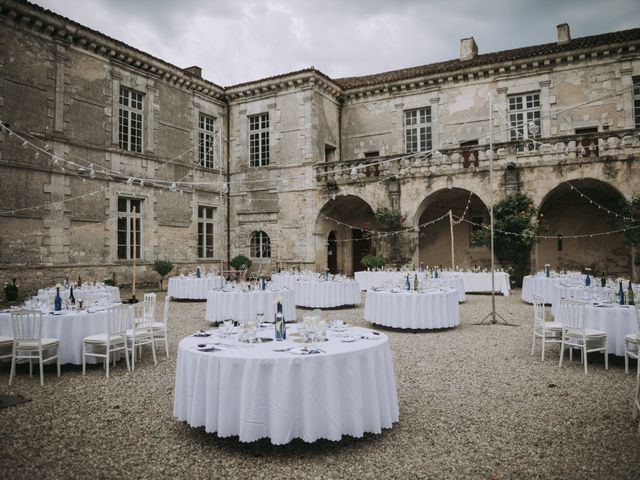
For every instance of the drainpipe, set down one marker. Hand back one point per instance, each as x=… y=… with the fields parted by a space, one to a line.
x=228 y=143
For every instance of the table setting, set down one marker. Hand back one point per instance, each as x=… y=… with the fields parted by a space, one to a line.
x=192 y=286
x=314 y=290
x=242 y=302
x=323 y=380
x=426 y=308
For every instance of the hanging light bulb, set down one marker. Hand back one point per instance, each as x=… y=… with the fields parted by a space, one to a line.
x=225 y=188
x=47 y=147
x=354 y=173
x=533 y=128
x=173 y=187
x=333 y=197
x=130 y=181
x=142 y=183
x=25 y=144
x=92 y=173
x=37 y=155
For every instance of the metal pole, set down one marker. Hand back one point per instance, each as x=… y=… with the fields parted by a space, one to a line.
x=135 y=241
x=453 y=258
x=493 y=279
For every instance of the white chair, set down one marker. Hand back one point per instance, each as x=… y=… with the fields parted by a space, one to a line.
x=28 y=343
x=6 y=343
x=118 y=320
x=631 y=343
x=576 y=336
x=142 y=332
x=549 y=332
x=150 y=297
x=161 y=329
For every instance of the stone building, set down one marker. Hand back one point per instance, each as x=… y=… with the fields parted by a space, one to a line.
x=289 y=170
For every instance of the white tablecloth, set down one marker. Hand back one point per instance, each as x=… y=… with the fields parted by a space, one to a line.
x=70 y=327
x=540 y=285
x=326 y=294
x=193 y=288
x=481 y=281
x=243 y=306
x=370 y=280
x=254 y=392
x=411 y=309
x=102 y=295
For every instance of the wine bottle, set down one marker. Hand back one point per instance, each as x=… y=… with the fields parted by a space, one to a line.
x=72 y=298
x=79 y=281
x=280 y=324
x=58 y=301
x=264 y=283
x=415 y=282
x=587 y=280
x=603 y=281
x=621 y=294
x=408 y=283
x=630 y=295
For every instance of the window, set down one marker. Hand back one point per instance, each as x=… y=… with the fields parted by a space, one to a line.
x=417 y=130
x=260 y=245
x=373 y=154
x=259 y=140
x=523 y=110
x=206 y=140
x=205 y=232
x=329 y=153
x=130 y=120
x=126 y=227
x=636 y=100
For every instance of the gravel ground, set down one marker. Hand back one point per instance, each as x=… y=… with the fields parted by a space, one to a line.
x=473 y=404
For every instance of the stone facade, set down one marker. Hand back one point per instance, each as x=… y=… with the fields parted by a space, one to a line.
x=60 y=90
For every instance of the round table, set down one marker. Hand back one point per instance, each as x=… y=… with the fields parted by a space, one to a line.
x=410 y=309
x=102 y=295
x=326 y=293
x=70 y=327
x=379 y=279
x=243 y=306
x=255 y=392
x=193 y=288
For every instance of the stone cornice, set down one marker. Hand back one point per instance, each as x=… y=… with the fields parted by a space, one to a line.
x=59 y=28
x=303 y=79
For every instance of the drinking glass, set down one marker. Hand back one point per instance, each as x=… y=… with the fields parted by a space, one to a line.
x=228 y=324
x=260 y=320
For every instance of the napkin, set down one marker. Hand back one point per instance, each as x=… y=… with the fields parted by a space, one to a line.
x=304 y=351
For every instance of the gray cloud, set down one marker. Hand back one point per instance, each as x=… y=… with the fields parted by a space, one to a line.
x=243 y=40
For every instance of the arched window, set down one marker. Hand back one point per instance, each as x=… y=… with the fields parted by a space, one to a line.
x=260 y=245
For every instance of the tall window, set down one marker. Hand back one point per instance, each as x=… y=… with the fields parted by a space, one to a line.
x=205 y=140
x=260 y=245
x=524 y=111
x=259 y=140
x=636 y=100
x=126 y=227
x=130 y=120
x=417 y=130
x=205 y=232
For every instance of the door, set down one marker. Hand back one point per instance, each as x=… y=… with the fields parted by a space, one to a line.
x=332 y=253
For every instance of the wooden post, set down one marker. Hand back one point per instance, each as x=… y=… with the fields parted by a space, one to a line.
x=135 y=241
x=453 y=258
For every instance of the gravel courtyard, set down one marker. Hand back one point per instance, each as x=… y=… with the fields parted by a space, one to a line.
x=473 y=404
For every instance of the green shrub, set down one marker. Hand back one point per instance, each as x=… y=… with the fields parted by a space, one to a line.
x=240 y=262
x=372 y=261
x=163 y=267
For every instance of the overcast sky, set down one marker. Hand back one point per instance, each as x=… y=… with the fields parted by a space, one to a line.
x=236 y=41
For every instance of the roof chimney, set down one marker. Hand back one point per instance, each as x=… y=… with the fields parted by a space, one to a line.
x=564 y=35
x=468 y=49
x=194 y=71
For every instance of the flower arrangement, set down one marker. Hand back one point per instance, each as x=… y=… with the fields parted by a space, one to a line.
x=11 y=290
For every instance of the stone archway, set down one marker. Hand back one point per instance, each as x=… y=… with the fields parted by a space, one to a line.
x=434 y=246
x=347 y=217
x=571 y=211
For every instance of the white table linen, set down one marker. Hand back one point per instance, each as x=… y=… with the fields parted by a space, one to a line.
x=540 y=285
x=370 y=280
x=411 y=309
x=481 y=281
x=70 y=327
x=243 y=306
x=326 y=294
x=254 y=392
x=193 y=288
x=95 y=294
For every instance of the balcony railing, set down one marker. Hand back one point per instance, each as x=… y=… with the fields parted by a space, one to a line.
x=620 y=144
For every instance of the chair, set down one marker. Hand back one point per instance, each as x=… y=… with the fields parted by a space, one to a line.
x=142 y=332
x=161 y=329
x=27 y=341
x=549 y=332
x=576 y=336
x=6 y=343
x=631 y=342
x=118 y=320
x=150 y=297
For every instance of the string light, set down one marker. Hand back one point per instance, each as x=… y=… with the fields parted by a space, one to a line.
x=173 y=187
x=354 y=174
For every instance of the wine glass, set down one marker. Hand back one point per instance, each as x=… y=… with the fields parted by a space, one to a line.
x=228 y=324
x=260 y=320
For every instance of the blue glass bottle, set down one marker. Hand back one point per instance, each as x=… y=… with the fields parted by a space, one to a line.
x=280 y=324
x=436 y=274
x=587 y=280
x=621 y=294
x=198 y=274
x=58 y=301
x=546 y=271
x=264 y=283
x=408 y=283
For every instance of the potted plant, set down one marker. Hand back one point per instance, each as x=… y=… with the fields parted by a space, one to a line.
x=11 y=291
x=372 y=261
x=162 y=267
x=240 y=263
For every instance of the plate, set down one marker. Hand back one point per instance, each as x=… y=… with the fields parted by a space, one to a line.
x=349 y=339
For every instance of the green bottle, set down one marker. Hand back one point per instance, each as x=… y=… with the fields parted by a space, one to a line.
x=630 y=295
x=415 y=282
